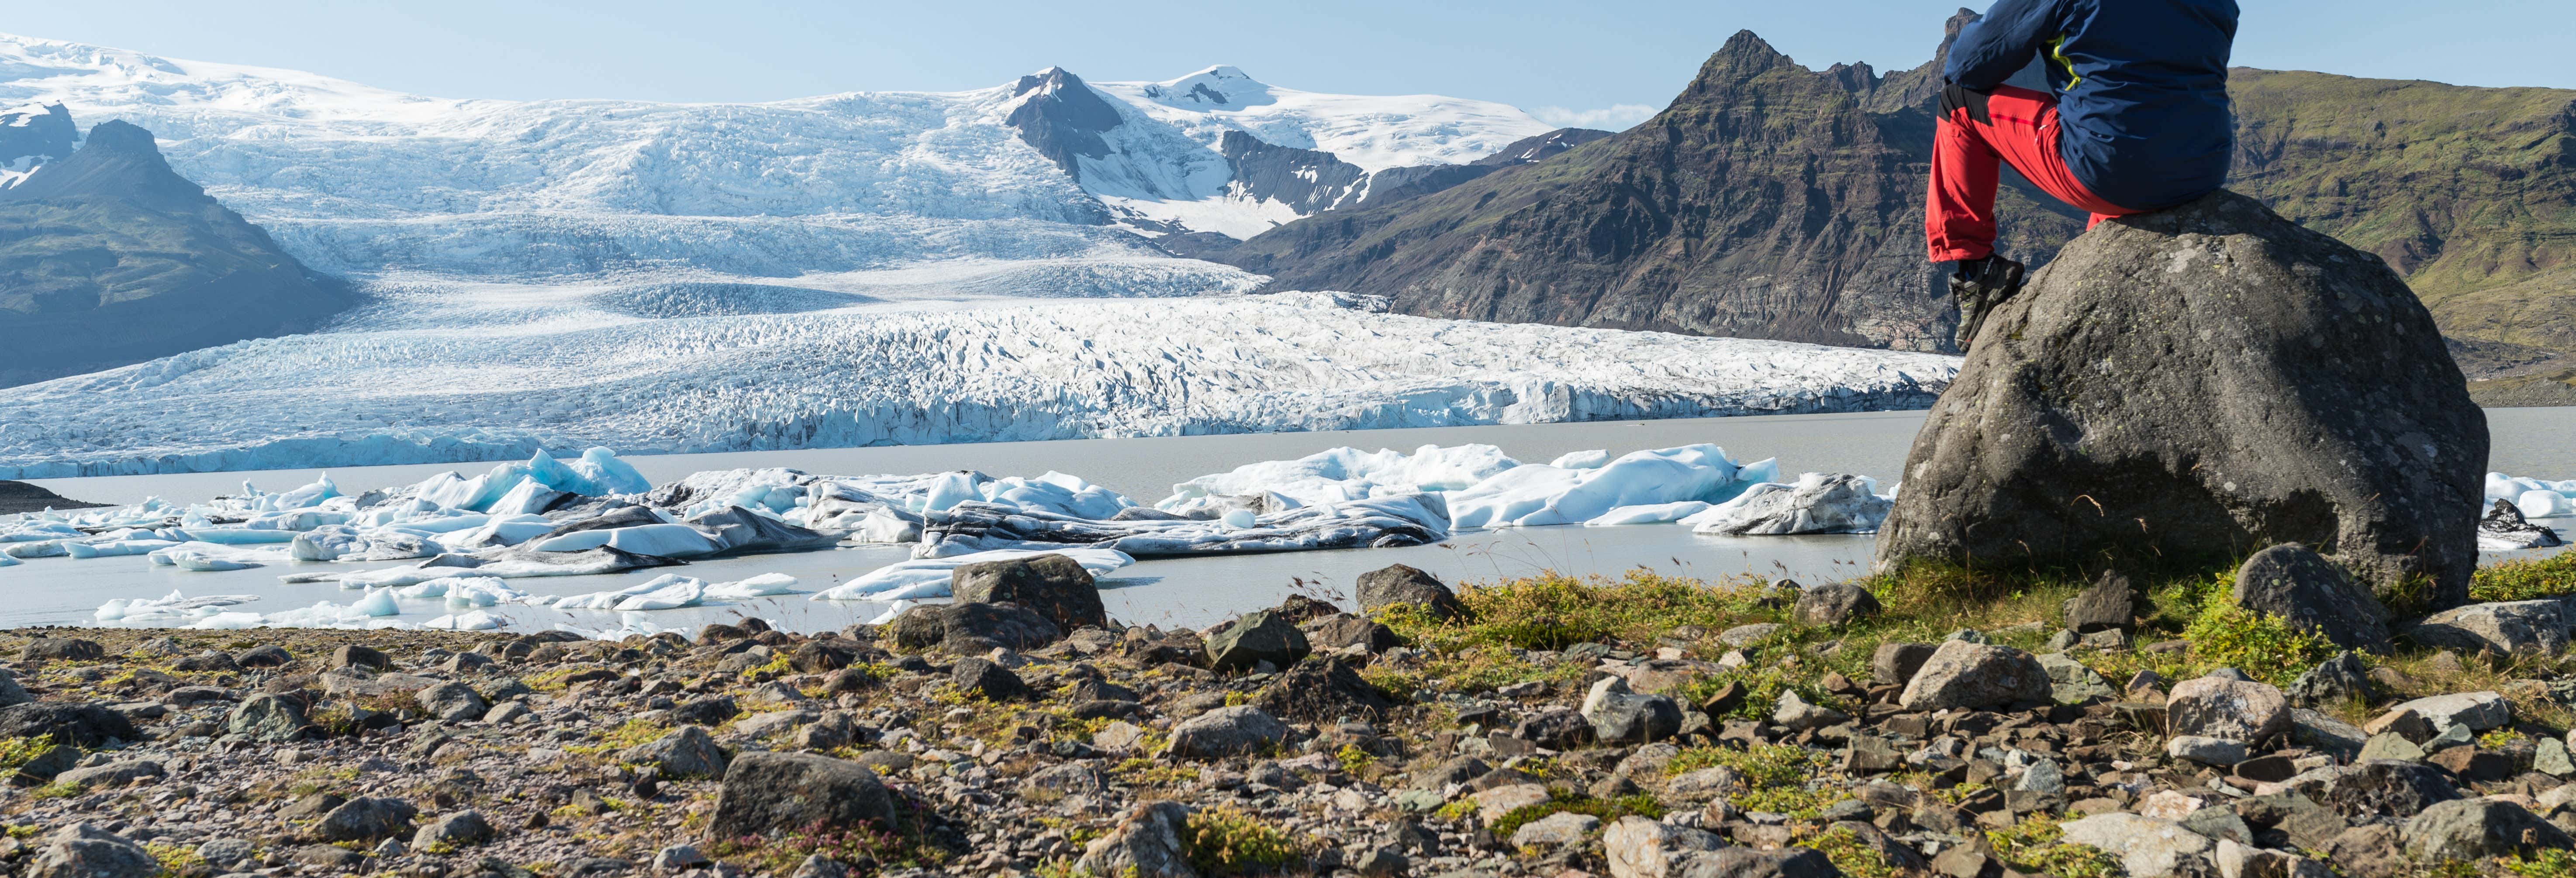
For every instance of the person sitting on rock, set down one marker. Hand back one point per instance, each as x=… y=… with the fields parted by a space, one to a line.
x=2139 y=122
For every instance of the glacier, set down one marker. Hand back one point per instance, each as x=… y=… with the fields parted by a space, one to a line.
x=1284 y=362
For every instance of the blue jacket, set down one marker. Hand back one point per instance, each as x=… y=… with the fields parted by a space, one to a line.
x=2142 y=88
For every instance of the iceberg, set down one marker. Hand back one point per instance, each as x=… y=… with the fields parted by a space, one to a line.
x=1406 y=520
x=764 y=585
x=929 y=577
x=145 y=611
x=669 y=591
x=660 y=540
x=1536 y=495
x=1341 y=474
x=1817 y=503
x=1655 y=513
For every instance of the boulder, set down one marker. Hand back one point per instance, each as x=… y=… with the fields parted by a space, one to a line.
x=983 y=679
x=1225 y=732
x=766 y=795
x=1345 y=630
x=1620 y=715
x=2504 y=628
x=460 y=829
x=113 y=774
x=1147 y=843
x=823 y=655
x=2072 y=682
x=683 y=752
x=2374 y=790
x=1834 y=604
x=2237 y=710
x=1402 y=585
x=357 y=656
x=2146 y=846
x=2312 y=593
x=2332 y=682
x=1745 y=862
x=1257 y=637
x=707 y=711
x=1323 y=691
x=366 y=819
x=2473 y=829
x=70 y=649
x=86 y=725
x=1976 y=676
x=268 y=717
x=452 y=701
x=2177 y=385
x=1894 y=664
x=1797 y=715
x=2108 y=604
x=1637 y=847
x=1561 y=829
x=2479 y=711
x=973 y=629
x=266 y=655
x=84 y=850
x=1555 y=728
x=1052 y=586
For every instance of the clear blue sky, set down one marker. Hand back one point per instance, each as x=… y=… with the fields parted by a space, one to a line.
x=1573 y=56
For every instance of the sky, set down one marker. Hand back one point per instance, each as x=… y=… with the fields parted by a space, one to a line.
x=1583 y=63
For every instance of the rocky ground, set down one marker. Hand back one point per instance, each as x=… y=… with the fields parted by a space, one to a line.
x=1650 y=728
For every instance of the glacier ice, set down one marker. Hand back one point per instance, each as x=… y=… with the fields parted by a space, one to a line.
x=1651 y=513
x=1346 y=473
x=1377 y=522
x=1530 y=496
x=1300 y=362
x=1817 y=503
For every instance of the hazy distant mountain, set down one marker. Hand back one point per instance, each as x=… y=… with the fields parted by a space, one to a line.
x=107 y=257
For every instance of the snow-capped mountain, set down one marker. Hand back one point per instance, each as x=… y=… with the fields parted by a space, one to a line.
x=358 y=180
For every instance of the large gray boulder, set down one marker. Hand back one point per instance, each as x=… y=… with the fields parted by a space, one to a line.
x=768 y=794
x=2503 y=628
x=1976 y=676
x=687 y=751
x=1259 y=636
x=1148 y=843
x=2219 y=707
x=2184 y=384
x=1621 y=715
x=2471 y=829
x=268 y=717
x=1053 y=586
x=1399 y=584
x=1242 y=730
x=973 y=628
x=82 y=850
x=2310 y=592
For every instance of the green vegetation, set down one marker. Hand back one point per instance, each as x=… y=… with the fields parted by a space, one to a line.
x=630 y=733
x=2264 y=646
x=2525 y=579
x=1227 y=841
x=1561 y=801
x=15 y=752
x=1554 y=611
x=1849 y=853
x=2037 y=845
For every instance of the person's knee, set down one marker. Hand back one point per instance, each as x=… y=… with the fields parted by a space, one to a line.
x=1956 y=97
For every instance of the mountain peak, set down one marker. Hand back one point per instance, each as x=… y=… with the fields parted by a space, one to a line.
x=1215 y=88
x=1053 y=80
x=120 y=160
x=38 y=131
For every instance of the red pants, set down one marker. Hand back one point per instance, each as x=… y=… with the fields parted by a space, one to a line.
x=1977 y=131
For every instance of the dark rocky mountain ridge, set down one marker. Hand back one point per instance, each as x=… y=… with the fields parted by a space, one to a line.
x=108 y=257
x=25 y=134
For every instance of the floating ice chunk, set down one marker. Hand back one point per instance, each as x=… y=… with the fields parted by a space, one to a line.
x=115 y=548
x=506 y=530
x=1657 y=513
x=658 y=540
x=36 y=531
x=1529 y=496
x=1240 y=519
x=252 y=555
x=9 y=560
x=1816 y=504
x=234 y=536
x=378 y=602
x=203 y=563
x=1383 y=522
x=764 y=585
x=929 y=577
x=231 y=621
x=669 y=591
x=950 y=490
x=327 y=614
x=477 y=620
x=301 y=498
x=174 y=606
x=1594 y=459
x=2542 y=503
x=1340 y=474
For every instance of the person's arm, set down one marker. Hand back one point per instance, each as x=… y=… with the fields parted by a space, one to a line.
x=1991 y=49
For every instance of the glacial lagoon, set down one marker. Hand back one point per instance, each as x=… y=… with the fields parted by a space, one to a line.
x=2538 y=443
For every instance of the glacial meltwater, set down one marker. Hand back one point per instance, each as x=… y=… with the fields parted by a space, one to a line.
x=2537 y=443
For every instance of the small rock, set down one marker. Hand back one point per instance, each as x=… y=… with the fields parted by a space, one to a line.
x=768 y=794
x=1894 y=664
x=1053 y=586
x=1225 y=732
x=2147 y=847
x=1834 y=604
x=1147 y=843
x=1618 y=714
x=2107 y=605
x=2237 y=710
x=452 y=701
x=1255 y=638
x=2206 y=750
x=83 y=850
x=2505 y=628
x=1561 y=829
x=678 y=858
x=1796 y=714
x=2479 y=711
x=366 y=818
x=2307 y=590
x=2471 y=829
x=2336 y=680
x=459 y=829
x=979 y=678
x=2071 y=682
x=687 y=751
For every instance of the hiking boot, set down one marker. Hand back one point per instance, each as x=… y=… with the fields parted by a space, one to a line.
x=1981 y=285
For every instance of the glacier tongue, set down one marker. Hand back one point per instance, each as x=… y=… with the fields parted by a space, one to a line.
x=858 y=377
